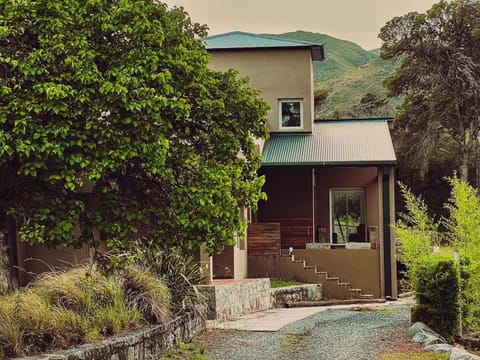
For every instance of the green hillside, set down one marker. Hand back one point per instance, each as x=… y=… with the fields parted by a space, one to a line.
x=348 y=73
x=346 y=91
x=340 y=55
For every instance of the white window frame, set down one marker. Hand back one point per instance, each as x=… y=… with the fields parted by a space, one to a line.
x=282 y=101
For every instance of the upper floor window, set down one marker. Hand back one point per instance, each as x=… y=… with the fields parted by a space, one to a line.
x=290 y=112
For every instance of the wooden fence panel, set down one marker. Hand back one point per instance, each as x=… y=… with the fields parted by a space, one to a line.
x=263 y=239
x=295 y=232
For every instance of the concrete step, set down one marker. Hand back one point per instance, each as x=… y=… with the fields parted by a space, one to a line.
x=334 y=302
x=366 y=296
x=332 y=287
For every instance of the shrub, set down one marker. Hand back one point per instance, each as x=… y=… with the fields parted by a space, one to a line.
x=463 y=227
x=437 y=291
x=98 y=300
x=66 y=308
x=178 y=270
x=147 y=293
x=30 y=325
x=416 y=231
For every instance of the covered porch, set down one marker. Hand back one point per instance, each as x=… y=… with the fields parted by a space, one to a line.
x=331 y=194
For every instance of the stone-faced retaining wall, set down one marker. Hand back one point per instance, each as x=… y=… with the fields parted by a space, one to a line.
x=227 y=301
x=143 y=344
x=230 y=300
x=296 y=293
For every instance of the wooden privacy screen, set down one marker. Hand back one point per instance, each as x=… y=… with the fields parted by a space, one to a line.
x=294 y=232
x=263 y=239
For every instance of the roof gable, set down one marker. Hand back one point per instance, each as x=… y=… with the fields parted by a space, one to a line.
x=238 y=40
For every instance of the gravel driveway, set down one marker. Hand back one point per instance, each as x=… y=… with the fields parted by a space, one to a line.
x=335 y=334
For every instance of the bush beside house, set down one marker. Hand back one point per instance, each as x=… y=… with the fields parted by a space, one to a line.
x=437 y=290
x=447 y=289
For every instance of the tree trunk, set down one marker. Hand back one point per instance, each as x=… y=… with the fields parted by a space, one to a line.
x=477 y=171
x=463 y=170
x=8 y=279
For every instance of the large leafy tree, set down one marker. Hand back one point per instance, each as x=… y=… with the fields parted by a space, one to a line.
x=439 y=76
x=110 y=119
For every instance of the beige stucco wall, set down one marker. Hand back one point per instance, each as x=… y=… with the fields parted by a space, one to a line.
x=240 y=264
x=38 y=259
x=231 y=263
x=279 y=73
x=361 y=268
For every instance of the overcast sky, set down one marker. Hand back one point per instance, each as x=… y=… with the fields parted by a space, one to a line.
x=355 y=20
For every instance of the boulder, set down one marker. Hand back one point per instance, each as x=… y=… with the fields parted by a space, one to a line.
x=462 y=354
x=421 y=333
x=439 y=348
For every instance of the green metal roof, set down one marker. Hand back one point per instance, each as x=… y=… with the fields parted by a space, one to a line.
x=333 y=143
x=238 y=40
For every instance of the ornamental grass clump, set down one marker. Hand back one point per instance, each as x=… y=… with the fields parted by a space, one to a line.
x=30 y=325
x=147 y=294
x=66 y=308
x=178 y=270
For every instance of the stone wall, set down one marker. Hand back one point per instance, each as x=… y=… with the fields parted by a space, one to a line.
x=231 y=300
x=144 y=344
x=306 y=292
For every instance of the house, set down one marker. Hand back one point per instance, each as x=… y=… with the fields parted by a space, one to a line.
x=330 y=183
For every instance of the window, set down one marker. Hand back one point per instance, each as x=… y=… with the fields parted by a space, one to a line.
x=347 y=214
x=290 y=114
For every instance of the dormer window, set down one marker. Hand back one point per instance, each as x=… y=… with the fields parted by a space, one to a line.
x=290 y=112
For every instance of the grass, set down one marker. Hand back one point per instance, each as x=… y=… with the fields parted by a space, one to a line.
x=66 y=308
x=414 y=356
x=277 y=283
x=297 y=340
x=192 y=351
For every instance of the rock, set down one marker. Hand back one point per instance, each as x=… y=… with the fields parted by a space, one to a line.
x=426 y=338
x=421 y=333
x=462 y=354
x=418 y=327
x=439 y=348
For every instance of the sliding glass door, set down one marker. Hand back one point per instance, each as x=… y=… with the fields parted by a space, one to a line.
x=347 y=214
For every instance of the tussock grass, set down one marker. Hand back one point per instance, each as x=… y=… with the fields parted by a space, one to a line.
x=67 y=308
x=148 y=294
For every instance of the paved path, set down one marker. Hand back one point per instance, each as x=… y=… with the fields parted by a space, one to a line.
x=329 y=333
x=276 y=319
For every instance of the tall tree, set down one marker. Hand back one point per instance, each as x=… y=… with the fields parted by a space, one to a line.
x=439 y=75
x=110 y=119
x=369 y=105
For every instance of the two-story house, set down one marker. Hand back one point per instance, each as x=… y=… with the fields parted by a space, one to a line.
x=330 y=183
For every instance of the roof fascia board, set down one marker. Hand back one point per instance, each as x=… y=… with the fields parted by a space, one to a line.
x=333 y=164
